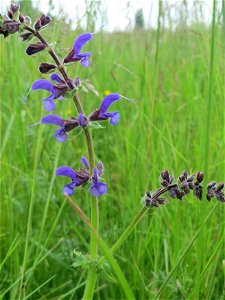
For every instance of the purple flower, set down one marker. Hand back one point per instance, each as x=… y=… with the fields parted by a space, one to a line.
x=81 y=177
x=65 y=125
x=57 y=91
x=102 y=114
x=68 y=172
x=75 y=54
x=97 y=188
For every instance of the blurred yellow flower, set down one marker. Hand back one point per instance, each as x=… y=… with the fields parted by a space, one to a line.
x=69 y=112
x=106 y=92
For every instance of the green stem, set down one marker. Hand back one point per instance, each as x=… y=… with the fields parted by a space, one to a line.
x=202 y=242
x=127 y=232
x=92 y=276
x=209 y=98
x=106 y=251
x=134 y=222
x=163 y=286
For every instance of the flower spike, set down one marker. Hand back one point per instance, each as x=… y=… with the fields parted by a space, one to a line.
x=183 y=186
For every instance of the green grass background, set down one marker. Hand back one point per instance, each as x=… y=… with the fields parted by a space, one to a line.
x=177 y=122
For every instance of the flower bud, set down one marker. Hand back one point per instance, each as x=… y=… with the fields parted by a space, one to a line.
x=35 y=48
x=179 y=194
x=8 y=27
x=148 y=194
x=14 y=7
x=198 y=192
x=26 y=36
x=46 y=68
x=10 y=14
x=164 y=183
x=183 y=176
x=165 y=175
x=211 y=185
x=45 y=20
x=21 y=18
x=76 y=82
x=37 y=25
x=220 y=187
x=161 y=201
x=200 y=176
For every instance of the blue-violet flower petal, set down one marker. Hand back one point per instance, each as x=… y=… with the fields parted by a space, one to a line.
x=52 y=119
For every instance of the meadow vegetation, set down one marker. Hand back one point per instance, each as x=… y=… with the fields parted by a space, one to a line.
x=176 y=76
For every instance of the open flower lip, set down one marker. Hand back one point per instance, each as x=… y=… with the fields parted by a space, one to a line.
x=66 y=126
x=57 y=90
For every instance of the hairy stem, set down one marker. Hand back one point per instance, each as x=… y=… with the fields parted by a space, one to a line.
x=92 y=276
x=106 y=251
x=127 y=232
x=53 y=55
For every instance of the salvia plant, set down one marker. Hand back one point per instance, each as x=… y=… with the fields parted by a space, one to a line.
x=60 y=87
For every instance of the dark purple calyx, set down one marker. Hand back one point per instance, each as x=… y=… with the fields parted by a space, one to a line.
x=14 y=7
x=69 y=58
x=216 y=191
x=83 y=176
x=35 y=48
x=9 y=27
x=46 y=68
x=97 y=116
x=153 y=200
x=70 y=124
x=61 y=88
x=45 y=20
x=26 y=36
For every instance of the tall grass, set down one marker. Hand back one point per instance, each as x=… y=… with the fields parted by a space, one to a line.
x=177 y=122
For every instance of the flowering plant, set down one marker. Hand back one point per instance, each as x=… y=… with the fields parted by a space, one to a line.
x=90 y=174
